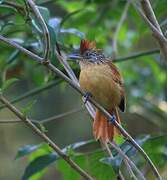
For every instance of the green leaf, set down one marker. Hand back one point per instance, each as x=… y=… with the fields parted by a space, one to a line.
x=115 y=162
x=39 y=164
x=90 y=163
x=156 y=149
x=45 y=13
x=8 y=83
x=26 y=150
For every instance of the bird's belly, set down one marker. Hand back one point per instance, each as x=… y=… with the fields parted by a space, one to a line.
x=100 y=84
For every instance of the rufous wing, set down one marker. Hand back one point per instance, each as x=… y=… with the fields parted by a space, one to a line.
x=118 y=79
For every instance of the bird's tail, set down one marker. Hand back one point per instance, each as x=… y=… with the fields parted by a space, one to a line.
x=102 y=128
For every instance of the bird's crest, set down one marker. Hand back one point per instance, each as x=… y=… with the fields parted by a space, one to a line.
x=86 y=44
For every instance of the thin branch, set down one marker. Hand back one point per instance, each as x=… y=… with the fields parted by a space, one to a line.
x=33 y=92
x=14 y=5
x=120 y=175
x=127 y=160
x=116 y=33
x=44 y=26
x=76 y=87
x=10 y=121
x=62 y=115
x=137 y=55
x=59 y=116
x=45 y=138
x=148 y=15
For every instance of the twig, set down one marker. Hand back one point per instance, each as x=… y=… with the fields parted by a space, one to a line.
x=10 y=121
x=33 y=92
x=45 y=138
x=116 y=33
x=120 y=175
x=76 y=87
x=16 y=6
x=127 y=159
x=59 y=116
x=137 y=55
x=62 y=115
x=148 y=15
x=44 y=26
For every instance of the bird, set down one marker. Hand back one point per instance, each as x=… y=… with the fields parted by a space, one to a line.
x=101 y=79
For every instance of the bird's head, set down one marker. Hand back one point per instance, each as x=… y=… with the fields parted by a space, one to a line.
x=89 y=53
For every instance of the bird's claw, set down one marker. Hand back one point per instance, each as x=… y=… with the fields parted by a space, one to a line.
x=87 y=96
x=112 y=119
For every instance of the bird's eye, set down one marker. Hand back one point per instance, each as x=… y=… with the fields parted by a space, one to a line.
x=87 y=54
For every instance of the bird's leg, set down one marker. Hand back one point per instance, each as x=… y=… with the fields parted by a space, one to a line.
x=87 y=96
x=113 y=118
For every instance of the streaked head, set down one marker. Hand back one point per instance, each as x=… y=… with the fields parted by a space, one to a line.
x=89 y=53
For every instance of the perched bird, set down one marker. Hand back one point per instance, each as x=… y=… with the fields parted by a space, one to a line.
x=101 y=78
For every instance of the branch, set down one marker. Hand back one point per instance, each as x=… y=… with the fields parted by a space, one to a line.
x=116 y=33
x=98 y=106
x=44 y=26
x=16 y=6
x=62 y=115
x=148 y=15
x=137 y=55
x=127 y=160
x=120 y=175
x=33 y=92
x=45 y=138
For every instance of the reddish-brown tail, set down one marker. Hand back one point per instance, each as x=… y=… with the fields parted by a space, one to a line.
x=102 y=128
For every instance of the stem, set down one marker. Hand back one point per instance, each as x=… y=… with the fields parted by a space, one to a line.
x=116 y=33
x=149 y=17
x=62 y=115
x=44 y=26
x=137 y=55
x=34 y=92
x=127 y=160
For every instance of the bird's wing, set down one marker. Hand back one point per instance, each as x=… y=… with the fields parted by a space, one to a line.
x=116 y=76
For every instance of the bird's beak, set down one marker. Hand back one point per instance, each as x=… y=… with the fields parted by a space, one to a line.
x=74 y=57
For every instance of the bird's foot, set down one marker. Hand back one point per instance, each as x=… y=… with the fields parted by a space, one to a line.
x=86 y=97
x=112 y=119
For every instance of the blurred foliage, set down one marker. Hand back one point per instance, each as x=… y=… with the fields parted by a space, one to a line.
x=68 y=22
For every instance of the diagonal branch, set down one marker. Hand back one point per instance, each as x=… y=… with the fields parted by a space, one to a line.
x=149 y=17
x=43 y=121
x=45 y=138
x=34 y=92
x=44 y=26
x=75 y=86
x=127 y=160
x=116 y=33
